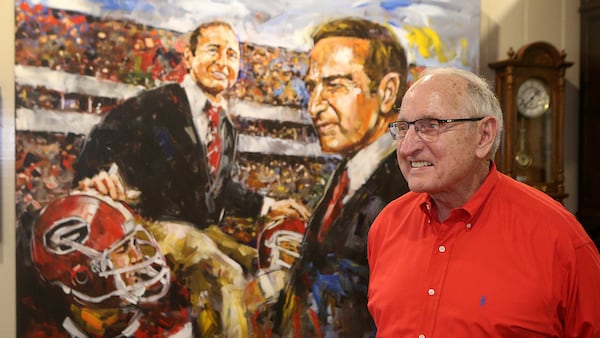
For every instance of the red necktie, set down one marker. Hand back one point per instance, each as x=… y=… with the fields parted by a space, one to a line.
x=335 y=205
x=214 y=141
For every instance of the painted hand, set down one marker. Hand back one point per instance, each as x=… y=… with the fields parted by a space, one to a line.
x=289 y=207
x=110 y=183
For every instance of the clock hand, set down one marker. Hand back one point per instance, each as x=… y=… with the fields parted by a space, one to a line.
x=532 y=97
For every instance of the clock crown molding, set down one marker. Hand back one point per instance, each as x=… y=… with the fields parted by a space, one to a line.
x=535 y=54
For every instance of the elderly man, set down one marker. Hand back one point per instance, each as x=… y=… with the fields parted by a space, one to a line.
x=470 y=252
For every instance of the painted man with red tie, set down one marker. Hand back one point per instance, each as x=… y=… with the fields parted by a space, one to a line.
x=174 y=145
x=168 y=153
x=356 y=78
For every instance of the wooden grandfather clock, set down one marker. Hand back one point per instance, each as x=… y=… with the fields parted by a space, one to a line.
x=530 y=87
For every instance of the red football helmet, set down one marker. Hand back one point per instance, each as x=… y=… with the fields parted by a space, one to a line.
x=279 y=242
x=96 y=251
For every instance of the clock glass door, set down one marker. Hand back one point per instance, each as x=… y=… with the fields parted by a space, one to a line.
x=533 y=155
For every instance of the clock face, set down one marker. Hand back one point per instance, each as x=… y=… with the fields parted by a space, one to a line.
x=533 y=98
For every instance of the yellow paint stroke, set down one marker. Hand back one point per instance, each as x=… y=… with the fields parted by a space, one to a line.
x=464 y=57
x=428 y=44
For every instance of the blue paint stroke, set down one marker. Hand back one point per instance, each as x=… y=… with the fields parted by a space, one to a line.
x=126 y=5
x=391 y=5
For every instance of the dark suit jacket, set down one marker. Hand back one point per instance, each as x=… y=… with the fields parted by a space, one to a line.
x=337 y=267
x=153 y=140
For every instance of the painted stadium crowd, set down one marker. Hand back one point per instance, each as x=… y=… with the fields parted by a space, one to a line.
x=136 y=54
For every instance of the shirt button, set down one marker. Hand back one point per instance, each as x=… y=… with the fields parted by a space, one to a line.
x=431 y=292
x=421 y=336
x=469 y=225
x=442 y=249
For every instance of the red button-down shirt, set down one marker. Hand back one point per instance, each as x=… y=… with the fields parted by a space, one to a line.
x=511 y=262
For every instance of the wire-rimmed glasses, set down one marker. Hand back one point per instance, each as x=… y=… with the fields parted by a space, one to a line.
x=428 y=129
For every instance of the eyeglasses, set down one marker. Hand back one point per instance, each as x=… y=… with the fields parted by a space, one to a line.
x=428 y=129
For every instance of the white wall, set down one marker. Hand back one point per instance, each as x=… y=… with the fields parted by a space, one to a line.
x=504 y=24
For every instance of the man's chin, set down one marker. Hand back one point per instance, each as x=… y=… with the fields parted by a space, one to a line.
x=417 y=187
x=330 y=148
x=215 y=87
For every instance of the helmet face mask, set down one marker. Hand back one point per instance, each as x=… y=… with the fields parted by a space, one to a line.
x=137 y=266
x=285 y=247
x=280 y=243
x=98 y=254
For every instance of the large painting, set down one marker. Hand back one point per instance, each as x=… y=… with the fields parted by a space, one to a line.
x=211 y=168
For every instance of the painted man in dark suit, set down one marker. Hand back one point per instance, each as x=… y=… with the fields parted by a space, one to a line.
x=161 y=140
x=157 y=152
x=356 y=78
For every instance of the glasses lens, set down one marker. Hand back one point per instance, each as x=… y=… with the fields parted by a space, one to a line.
x=428 y=129
x=398 y=129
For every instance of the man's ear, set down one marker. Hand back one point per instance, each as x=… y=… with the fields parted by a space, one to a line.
x=486 y=131
x=388 y=91
x=187 y=57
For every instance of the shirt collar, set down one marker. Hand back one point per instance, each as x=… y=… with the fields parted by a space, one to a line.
x=366 y=161
x=475 y=204
x=196 y=96
x=477 y=201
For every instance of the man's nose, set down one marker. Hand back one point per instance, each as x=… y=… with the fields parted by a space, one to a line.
x=411 y=141
x=221 y=58
x=316 y=103
x=134 y=255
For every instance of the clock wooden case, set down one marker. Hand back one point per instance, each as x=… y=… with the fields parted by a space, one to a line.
x=530 y=87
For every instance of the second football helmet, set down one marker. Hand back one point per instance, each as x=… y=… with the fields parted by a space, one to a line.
x=279 y=242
